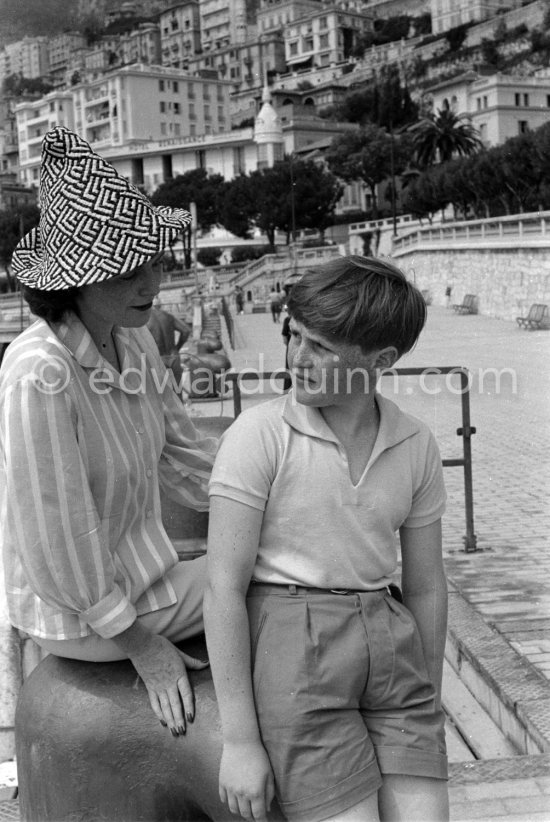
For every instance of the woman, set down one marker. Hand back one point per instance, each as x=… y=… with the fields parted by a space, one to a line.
x=91 y=429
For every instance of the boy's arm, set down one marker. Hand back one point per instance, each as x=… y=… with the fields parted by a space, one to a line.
x=246 y=779
x=425 y=592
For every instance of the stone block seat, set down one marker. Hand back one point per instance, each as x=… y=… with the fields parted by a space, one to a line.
x=90 y=748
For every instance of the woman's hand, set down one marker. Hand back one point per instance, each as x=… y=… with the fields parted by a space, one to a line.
x=246 y=780
x=163 y=669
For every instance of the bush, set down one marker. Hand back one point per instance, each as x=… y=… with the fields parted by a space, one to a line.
x=209 y=256
x=243 y=253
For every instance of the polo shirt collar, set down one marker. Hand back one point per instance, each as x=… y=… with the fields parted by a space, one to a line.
x=395 y=425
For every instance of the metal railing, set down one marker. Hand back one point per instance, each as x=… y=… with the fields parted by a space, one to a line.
x=465 y=431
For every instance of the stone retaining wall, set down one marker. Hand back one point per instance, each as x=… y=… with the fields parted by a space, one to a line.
x=506 y=281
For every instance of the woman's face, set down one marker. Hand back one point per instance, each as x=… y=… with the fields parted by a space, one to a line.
x=125 y=300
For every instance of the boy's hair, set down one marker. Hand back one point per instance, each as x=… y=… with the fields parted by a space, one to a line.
x=360 y=300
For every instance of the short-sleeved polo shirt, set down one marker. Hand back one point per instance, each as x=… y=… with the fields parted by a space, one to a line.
x=319 y=529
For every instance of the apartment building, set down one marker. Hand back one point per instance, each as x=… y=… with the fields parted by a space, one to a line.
x=34 y=118
x=382 y=9
x=223 y=22
x=61 y=48
x=142 y=45
x=446 y=14
x=180 y=33
x=499 y=106
x=27 y=57
x=273 y=15
x=130 y=105
x=324 y=37
x=245 y=65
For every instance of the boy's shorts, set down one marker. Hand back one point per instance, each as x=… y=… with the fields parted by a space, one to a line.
x=342 y=695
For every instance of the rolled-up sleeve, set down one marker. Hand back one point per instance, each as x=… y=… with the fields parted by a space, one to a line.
x=52 y=519
x=187 y=457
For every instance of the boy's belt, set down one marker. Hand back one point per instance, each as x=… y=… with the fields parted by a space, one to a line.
x=299 y=590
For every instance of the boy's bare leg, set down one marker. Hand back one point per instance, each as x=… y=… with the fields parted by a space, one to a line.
x=413 y=799
x=365 y=811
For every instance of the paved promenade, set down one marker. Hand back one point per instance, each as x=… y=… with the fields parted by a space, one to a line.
x=499 y=595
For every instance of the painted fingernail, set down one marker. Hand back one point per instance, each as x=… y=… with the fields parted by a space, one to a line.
x=190 y=717
x=181 y=730
x=173 y=732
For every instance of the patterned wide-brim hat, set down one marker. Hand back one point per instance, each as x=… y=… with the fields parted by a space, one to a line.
x=94 y=224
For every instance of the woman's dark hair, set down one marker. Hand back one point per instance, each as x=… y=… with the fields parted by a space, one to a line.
x=50 y=305
x=360 y=300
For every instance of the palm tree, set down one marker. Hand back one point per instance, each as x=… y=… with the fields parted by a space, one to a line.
x=443 y=136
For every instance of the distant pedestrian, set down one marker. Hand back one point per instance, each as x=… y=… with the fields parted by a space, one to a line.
x=239 y=299
x=169 y=333
x=275 y=305
x=285 y=333
x=448 y=293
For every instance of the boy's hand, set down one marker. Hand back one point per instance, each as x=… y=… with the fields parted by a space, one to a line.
x=246 y=780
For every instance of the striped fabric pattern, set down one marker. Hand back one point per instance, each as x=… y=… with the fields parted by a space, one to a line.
x=83 y=451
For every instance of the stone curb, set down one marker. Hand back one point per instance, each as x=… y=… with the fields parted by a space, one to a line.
x=512 y=691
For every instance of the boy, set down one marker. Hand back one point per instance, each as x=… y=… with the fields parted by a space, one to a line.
x=328 y=687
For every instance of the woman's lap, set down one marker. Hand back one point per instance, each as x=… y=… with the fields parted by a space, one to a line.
x=177 y=622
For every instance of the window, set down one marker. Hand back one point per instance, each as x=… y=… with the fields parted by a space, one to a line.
x=518 y=99
x=293 y=48
x=485 y=101
x=548 y=100
x=478 y=103
x=523 y=126
x=177 y=109
x=525 y=99
x=161 y=85
x=175 y=87
x=323 y=41
x=163 y=129
x=162 y=107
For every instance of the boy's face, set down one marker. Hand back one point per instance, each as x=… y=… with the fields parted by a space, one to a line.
x=327 y=372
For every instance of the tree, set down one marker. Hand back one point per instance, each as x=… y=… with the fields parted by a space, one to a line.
x=294 y=194
x=443 y=136
x=316 y=193
x=366 y=154
x=13 y=225
x=237 y=208
x=386 y=103
x=519 y=171
x=195 y=186
x=424 y=195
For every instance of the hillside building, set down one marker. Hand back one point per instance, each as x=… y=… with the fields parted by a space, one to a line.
x=447 y=14
x=180 y=34
x=27 y=57
x=499 y=106
x=324 y=37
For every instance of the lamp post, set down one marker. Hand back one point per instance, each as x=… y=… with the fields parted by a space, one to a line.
x=292 y=216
